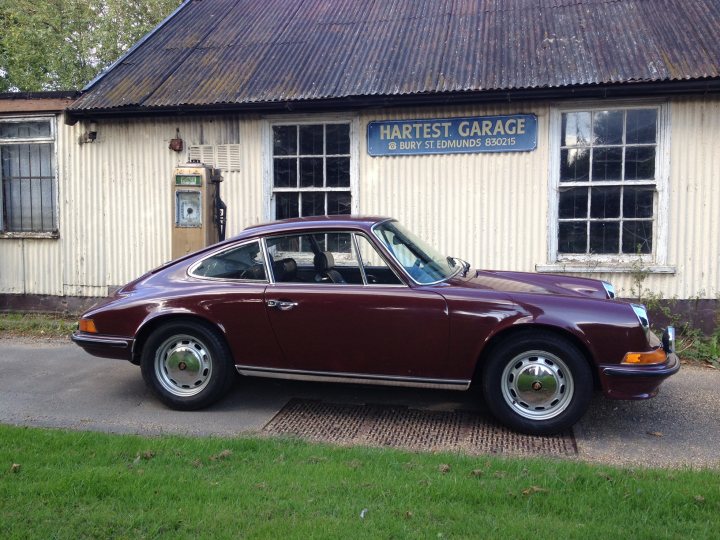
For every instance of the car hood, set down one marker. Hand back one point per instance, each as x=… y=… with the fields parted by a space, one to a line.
x=527 y=282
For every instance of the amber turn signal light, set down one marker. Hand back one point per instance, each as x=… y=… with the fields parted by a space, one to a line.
x=656 y=356
x=87 y=325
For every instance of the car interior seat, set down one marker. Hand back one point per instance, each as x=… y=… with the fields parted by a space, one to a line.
x=325 y=268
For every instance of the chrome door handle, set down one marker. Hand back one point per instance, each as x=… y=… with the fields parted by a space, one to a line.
x=281 y=305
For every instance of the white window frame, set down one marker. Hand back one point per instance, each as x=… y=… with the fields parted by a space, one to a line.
x=656 y=261
x=280 y=120
x=52 y=139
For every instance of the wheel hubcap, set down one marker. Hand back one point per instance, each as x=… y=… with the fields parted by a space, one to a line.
x=183 y=365
x=537 y=385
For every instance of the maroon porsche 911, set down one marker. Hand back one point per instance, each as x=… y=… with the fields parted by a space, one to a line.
x=364 y=300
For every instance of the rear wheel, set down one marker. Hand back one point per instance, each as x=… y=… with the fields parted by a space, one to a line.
x=187 y=364
x=537 y=383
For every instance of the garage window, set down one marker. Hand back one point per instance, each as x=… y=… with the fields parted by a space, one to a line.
x=610 y=182
x=311 y=170
x=28 y=197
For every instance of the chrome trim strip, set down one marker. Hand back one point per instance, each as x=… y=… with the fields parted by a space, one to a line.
x=669 y=367
x=266 y=260
x=110 y=342
x=359 y=257
x=357 y=378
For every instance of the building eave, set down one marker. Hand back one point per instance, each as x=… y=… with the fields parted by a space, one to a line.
x=608 y=91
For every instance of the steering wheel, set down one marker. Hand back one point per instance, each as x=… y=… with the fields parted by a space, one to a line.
x=250 y=272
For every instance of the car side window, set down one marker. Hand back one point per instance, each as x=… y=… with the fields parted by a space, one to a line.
x=377 y=271
x=320 y=258
x=243 y=262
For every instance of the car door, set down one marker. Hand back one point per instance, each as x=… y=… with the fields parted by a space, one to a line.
x=229 y=286
x=370 y=324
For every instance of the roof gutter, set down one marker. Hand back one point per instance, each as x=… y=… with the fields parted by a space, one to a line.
x=608 y=91
x=132 y=49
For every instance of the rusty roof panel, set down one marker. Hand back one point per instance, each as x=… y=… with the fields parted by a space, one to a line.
x=235 y=52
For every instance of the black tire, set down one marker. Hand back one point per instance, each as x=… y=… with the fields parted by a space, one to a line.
x=187 y=365
x=537 y=383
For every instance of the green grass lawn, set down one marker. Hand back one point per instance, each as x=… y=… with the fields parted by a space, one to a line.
x=56 y=484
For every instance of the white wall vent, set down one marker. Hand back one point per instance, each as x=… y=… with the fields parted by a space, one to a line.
x=222 y=156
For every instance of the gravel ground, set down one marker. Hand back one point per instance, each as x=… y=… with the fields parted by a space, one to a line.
x=677 y=428
x=51 y=383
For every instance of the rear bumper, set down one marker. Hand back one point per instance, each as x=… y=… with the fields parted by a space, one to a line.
x=620 y=381
x=104 y=346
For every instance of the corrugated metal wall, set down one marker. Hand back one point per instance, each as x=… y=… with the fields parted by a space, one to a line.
x=115 y=199
x=487 y=208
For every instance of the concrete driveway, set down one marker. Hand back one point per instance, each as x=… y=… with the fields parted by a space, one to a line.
x=56 y=384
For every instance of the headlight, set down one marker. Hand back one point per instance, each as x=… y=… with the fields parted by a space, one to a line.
x=641 y=312
x=609 y=289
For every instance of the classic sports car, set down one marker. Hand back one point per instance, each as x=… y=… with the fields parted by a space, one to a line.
x=363 y=300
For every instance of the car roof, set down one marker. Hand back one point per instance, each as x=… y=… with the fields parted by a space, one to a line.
x=314 y=222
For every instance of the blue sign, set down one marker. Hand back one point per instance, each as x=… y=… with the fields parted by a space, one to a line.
x=511 y=133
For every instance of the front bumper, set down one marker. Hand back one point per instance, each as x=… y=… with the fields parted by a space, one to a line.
x=636 y=381
x=104 y=346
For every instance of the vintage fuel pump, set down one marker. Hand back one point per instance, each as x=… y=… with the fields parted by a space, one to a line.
x=199 y=213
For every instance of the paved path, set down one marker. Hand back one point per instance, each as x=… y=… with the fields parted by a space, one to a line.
x=55 y=384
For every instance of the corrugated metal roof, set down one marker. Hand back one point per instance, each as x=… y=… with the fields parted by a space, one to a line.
x=243 y=52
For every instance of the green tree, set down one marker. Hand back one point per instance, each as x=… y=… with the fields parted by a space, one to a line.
x=63 y=44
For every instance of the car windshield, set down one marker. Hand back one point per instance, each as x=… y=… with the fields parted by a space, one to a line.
x=421 y=261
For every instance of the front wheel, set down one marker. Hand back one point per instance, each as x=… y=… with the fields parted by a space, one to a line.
x=537 y=383
x=187 y=364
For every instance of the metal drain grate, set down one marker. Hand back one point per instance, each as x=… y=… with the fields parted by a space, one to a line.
x=412 y=429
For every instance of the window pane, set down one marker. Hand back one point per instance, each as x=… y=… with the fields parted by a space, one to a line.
x=637 y=237
x=311 y=160
x=338 y=203
x=24 y=130
x=573 y=203
x=377 y=271
x=605 y=202
x=640 y=163
x=313 y=204
x=295 y=247
x=572 y=237
x=638 y=202
x=284 y=140
x=607 y=164
x=286 y=205
x=604 y=237
x=641 y=126
x=608 y=127
x=339 y=243
x=574 y=165
x=575 y=129
x=284 y=173
x=311 y=140
x=311 y=172
x=338 y=172
x=28 y=186
x=245 y=262
x=337 y=139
